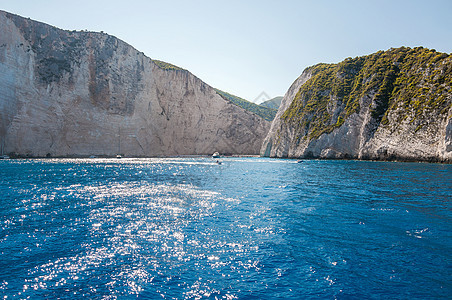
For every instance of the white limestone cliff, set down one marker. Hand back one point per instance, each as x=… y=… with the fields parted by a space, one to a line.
x=68 y=93
x=360 y=137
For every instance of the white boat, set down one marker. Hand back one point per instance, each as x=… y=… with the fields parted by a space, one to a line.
x=216 y=155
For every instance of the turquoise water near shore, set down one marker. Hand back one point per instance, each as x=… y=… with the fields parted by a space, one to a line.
x=250 y=228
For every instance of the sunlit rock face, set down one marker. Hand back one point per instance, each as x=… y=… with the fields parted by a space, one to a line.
x=72 y=93
x=391 y=105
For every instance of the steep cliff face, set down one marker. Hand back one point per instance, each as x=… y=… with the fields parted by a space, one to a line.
x=391 y=105
x=69 y=93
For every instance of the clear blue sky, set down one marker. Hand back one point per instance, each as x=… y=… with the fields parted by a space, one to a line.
x=250 y=47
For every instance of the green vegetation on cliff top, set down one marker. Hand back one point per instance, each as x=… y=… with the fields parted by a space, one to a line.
x=264 y=112
x=166 y=66
x=410 y=81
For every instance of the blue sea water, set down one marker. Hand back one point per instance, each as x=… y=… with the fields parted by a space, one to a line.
x=251 y=228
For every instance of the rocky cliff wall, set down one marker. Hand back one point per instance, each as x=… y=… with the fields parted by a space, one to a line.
x=392 y=105
x=70 y=93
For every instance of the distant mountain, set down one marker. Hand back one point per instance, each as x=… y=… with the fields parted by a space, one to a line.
x=77 y=93
x=262 y=111
x=390 y=105
x=272 y=103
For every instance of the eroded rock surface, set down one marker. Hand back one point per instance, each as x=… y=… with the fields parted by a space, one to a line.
x=72 y=93
x=391 y=105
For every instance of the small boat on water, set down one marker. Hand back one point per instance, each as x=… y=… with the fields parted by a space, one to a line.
x=216 y=155
x=118 y=156
x=2 y=148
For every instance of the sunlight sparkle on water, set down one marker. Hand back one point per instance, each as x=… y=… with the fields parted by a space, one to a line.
x=187 y=228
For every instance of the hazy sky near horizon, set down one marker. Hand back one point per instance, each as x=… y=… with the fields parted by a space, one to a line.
x=248 y=47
